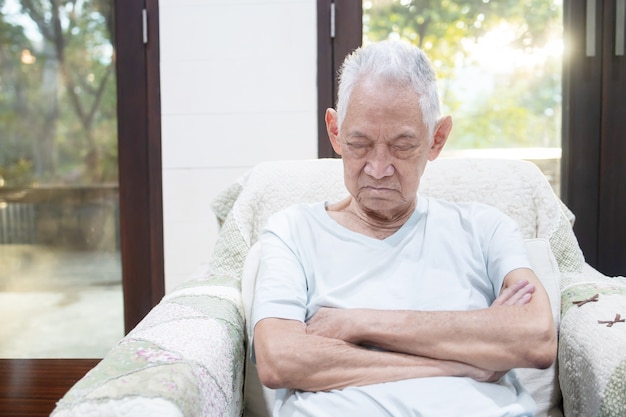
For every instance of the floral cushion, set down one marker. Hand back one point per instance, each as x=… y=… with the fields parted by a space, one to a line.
x=592 y=354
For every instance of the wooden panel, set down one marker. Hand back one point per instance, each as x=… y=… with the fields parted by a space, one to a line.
x=330 y=55
x=594 y=145
x=139 y=161
x=325 y=75
x=612 y=201
x=582 y=86
x=33 y=387
x=154 y=155
x=349 y=32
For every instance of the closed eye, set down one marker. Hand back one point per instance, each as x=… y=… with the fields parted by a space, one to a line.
x=403 y=148
x=359 y=146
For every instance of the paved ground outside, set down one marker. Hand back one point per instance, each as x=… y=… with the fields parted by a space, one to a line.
x=59 y=304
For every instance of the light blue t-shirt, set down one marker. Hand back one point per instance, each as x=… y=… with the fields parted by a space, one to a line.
x=447 y=256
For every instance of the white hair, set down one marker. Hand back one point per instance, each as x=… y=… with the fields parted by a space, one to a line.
x=392 y=61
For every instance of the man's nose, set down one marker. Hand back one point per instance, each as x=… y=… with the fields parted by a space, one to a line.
x=379 y=165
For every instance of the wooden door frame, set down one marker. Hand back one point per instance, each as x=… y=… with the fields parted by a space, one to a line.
x=139 y=132
x=332 y=47
x=31 y=387
x=612 y=191
x=580 y=158
x=594 y=119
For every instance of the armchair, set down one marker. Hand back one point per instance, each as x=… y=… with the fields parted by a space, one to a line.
x=188 y=356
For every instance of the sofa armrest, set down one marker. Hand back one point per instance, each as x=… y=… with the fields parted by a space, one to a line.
x=184 y=359
x=591 y=358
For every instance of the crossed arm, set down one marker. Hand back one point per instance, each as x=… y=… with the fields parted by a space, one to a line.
x=327 y=352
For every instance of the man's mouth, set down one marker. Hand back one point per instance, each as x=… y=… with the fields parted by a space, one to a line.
x=378 y=189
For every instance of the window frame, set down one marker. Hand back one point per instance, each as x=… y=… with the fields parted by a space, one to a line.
x=332 y=46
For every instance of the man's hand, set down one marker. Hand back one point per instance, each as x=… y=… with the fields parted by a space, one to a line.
x=484 y=375
x=518 y=294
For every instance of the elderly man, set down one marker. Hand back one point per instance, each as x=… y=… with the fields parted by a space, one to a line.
x=390 y=303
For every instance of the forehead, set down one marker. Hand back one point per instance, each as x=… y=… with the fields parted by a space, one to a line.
x=381 y=103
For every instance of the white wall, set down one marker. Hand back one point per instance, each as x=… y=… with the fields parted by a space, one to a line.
x=238 y=86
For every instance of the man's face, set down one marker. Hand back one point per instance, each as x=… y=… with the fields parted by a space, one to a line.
x=385 y=146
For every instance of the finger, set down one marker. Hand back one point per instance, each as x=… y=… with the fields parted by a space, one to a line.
x=509 y=292
x=515 y=288
x=519 y=299
x=521 y=296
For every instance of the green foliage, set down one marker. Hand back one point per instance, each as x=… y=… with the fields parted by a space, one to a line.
x=57 y=93
x=516 y=105
x=18 y=173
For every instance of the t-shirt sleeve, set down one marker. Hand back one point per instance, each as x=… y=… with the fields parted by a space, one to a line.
x=281 y=289
x=505 y=249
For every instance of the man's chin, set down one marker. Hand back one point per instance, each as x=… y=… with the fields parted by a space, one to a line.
x=385 y=198
x=383 y=208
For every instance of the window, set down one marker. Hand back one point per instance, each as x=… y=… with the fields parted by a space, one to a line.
x=584 y=105
x=60 y=261
x=140 y=212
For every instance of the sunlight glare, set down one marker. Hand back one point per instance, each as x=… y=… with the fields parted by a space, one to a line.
x=494 y=53
x=27 y=58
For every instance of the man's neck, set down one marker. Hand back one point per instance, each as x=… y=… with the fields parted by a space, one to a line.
x=378 y=225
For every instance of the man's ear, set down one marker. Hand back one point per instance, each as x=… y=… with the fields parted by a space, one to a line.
x=442 y=130
x=333 y=129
